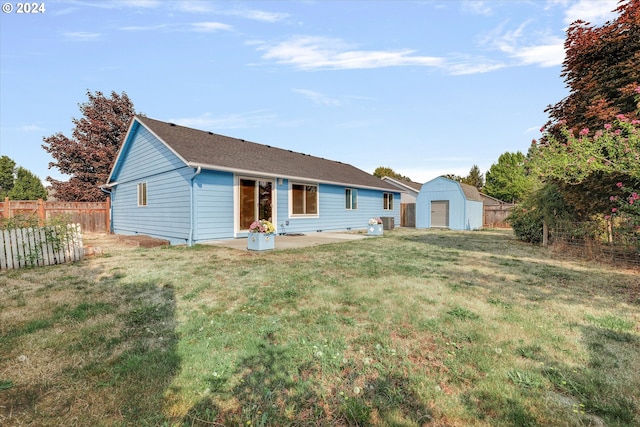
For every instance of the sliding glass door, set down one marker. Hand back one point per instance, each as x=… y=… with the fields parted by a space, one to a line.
x=256 y=201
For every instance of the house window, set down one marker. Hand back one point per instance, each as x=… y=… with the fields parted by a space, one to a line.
x=304 y=199
x=142 y=194
x=350 y=198
x=388 y=202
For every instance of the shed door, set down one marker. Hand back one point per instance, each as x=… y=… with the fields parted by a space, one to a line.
x=439 y=213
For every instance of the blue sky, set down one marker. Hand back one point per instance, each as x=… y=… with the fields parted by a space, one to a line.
x=425 y=87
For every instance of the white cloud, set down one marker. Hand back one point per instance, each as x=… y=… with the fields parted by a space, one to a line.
x=260 y=15
x=31 y=128
x=210 y=26
x=203 y=27
x=317 y=97
x=526 y=47
x=119 y=4
x=477 y=7
x=194 y=6
x=315 y=53
x=545 y=55
x=459 y=67
x=140 y=3
x=205 y=121
x=252 y=14
x=596 y=12
x=82 y=36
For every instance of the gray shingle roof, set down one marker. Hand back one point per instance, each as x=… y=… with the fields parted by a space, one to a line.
x=471 y=192
x=213 y=151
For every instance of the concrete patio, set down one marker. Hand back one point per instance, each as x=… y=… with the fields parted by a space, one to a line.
x=285 y=241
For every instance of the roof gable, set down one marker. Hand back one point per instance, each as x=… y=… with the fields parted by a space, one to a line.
x=218 y=152
x=408 y=186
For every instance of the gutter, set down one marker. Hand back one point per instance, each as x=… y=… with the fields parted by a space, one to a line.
x=192 y=210
x=247 y=172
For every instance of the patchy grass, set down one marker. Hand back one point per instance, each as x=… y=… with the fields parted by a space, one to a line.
x=413 y=328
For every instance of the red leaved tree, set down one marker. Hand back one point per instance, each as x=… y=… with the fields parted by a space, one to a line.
x=88 y=155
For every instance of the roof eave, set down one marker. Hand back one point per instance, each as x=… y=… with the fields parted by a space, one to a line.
x=290 y=177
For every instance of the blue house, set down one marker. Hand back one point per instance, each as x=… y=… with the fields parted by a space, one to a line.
x=445 y=203
x=188 y=186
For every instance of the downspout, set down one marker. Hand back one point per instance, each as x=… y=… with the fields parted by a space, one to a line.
x=110 y=209
x=192 y=210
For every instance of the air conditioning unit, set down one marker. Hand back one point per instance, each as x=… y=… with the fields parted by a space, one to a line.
x=388 y=222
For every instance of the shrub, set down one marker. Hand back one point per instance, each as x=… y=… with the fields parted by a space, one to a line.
x=526 y=224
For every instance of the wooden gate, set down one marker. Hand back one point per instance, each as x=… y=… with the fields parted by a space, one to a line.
x=407 y=215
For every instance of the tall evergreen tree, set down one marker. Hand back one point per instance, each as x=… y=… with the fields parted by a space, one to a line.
x=27 y=186
x=508 y=179
x=7 y=171
x=475 y=178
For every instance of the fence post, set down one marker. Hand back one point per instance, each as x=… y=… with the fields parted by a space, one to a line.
x=7 y=208
x=41 y=212
x=545 y=233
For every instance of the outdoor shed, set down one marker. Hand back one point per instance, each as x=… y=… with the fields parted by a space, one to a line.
x=445 y=203
x=188 y=186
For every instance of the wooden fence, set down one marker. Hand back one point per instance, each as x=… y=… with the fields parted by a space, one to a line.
x=495 y=216
x=31 y=247
x=407 y=215
x=92 y=216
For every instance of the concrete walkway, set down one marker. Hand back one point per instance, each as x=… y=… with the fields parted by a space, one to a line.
x=295 y=241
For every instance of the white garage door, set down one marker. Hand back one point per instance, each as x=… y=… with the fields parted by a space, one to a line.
x=439 y=213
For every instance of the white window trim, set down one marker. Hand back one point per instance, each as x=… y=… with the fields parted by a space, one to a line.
x=142 y=186
x=291 y=214
x=351 y=191
x=384 y=199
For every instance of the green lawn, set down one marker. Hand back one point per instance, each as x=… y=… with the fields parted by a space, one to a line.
x=414 y=328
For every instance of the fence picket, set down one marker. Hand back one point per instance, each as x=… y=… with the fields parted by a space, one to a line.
x=44 y=253
x=3 y=252
x=13 y=238
x=30 y=247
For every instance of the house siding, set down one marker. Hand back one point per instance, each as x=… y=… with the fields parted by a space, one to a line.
x=213 y=205
x=333 y=216
x=167 y=214
x=463 y=214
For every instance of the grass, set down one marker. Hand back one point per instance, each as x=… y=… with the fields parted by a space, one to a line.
x=414 y=328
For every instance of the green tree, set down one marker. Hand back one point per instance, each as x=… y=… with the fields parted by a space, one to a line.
x=474 y=178
x=87 y=156
x=27 y=186
x=453 y=177
x=509 y=179
x=7 y=171
x=387 y=171
x=587 y=167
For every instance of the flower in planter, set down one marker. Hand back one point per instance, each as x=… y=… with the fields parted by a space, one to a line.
x=374 y=221
x=262 y=226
